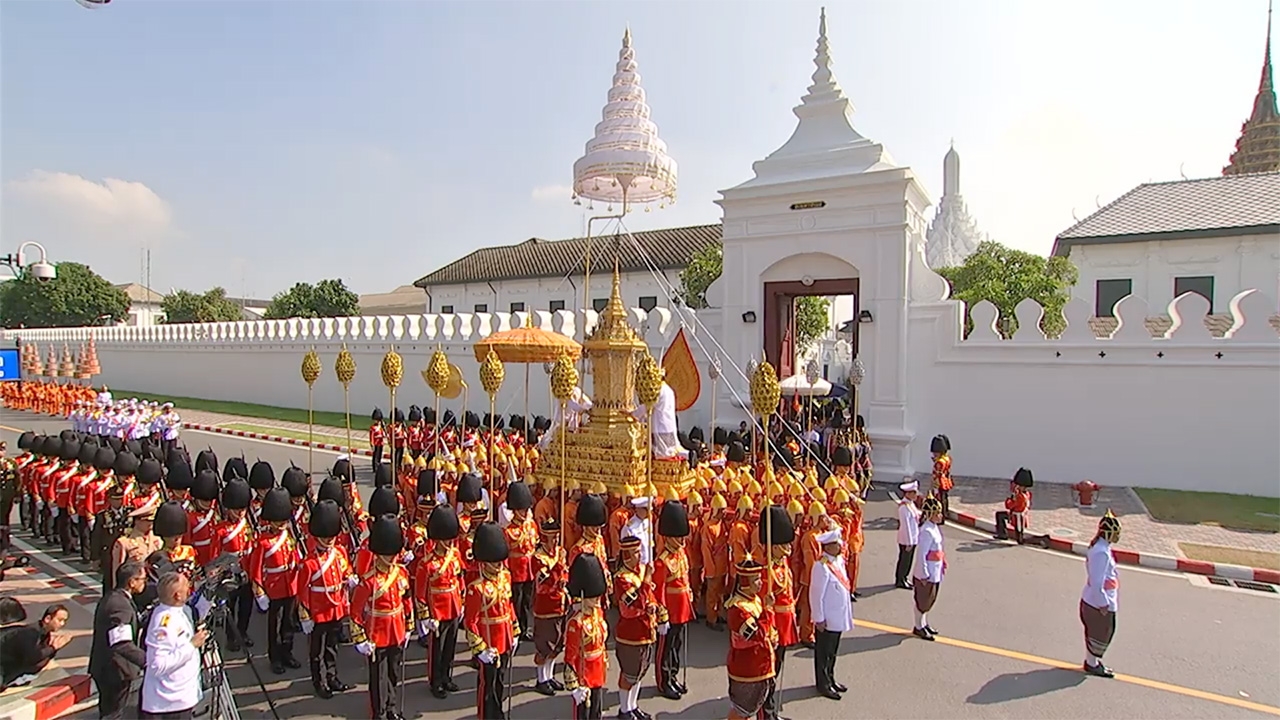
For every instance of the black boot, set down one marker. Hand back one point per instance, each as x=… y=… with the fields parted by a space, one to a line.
x=337 y=685
x=322 y=687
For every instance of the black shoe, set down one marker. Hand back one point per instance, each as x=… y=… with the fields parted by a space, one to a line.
x=291 y=662
x=902 y=585
x=451 y=686
x=277 y=668
x=440 y=693
x=853 y=597
x=545 y=689
x=628 y=715
x=1099 y=670
x=322 y=691
x=829 y=693
x=839 y=688
x=929 y=629
x=807 y=645
x=670 y=693
x=233 y=646
x=248 y=641
x=680 y=687
x=527 y=636
x=338 y=686
x=395 y=715
x=922 y=634
x=556 y=685
x=639 y=714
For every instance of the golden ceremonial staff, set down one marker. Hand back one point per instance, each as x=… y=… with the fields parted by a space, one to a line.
x=765 y=394
x=492 y=372
x=436 y=376
x=564 y=378
x=392 y=374
x=648 y=389
x=311 y=373
x=345 y=369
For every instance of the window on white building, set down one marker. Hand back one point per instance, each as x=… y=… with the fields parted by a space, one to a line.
x=482 y=307
x=446 y=309
x=648 y=302
x=557 y=305
x=599 y=304
x=1201 y=285
x=517 y=307
x=1110 y=292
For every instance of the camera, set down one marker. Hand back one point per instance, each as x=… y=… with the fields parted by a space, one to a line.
x=222 y=578
x=43 y=272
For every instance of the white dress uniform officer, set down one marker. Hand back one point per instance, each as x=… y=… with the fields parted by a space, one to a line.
x=831 y=607
x=171 y=683
x=908 y=532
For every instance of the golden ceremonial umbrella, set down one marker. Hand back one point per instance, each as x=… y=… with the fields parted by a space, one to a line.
x=528 y=345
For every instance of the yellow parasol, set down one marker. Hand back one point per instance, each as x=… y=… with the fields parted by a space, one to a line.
x=527 y=345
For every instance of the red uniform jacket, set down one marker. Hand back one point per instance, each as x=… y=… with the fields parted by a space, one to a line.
x=382 y=608
x=63 y=484
x=784 y=603
x=322 y=586
x=586 y=664
x=43 y=480
x=81 y=490
x=942 y=473
x=551 y=576
x=639 y=613
x=234 y=537
x=202 y=530
x=438 y=584
x=522 y=538
x=377 y=435
x=273 y=563
x=417 y=436
x=671 y=582
x=488 y=616
x=752 y=640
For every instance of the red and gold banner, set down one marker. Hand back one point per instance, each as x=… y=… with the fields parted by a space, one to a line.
x=682 y=372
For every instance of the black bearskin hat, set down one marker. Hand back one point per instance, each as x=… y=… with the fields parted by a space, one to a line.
x=779 y=527
x=427 y=484
x=489 y=544
x=148 y=471
x=206 y=460
x=68 y=435
x=295 y=481
x=938 y=444
x=262 y=476
x=205 y=486
x=383 y=501
x=180 y=477
x=376 y=415
x=531 y=437
x=842 y=457
x=1024 y=478
x=117 y=445
x=24 y=440
x=470 y=487
x=398 y=415
x=591 y=511
x=174 y=457
x=587 y=577
x=471 y=420
x=235 y=467
x=236 y=495
x=696 y=434
x=331 y=489
x=171 y=520
x=736 y=453
x=442 y=523
x=719 y=436
x=516 y=423
x=449 y=419
x=343 y=471
x=415 y=413
x=276 y=506
x=783 y=457
x=134 y=446
x=673 y=520
x=88 y=452
x=541 y=423
x=124 y=464
x=382 y=477
x=52 y=447
x=326 y=520
x=70 y=450
x=860 y=422
x=429 y=415
x=519 y=496
x=386 y=537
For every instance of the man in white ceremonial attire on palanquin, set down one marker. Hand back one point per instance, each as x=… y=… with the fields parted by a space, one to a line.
x=578 y=405
x=662 y=425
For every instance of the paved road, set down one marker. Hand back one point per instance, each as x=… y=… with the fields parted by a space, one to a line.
x=1011 y=643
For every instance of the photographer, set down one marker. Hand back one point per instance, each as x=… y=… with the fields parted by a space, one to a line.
x=116 y=660
x=171 y=686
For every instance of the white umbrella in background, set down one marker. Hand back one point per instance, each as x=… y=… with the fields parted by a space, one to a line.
x=798 y=384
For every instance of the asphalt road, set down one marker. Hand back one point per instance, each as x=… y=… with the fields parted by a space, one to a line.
x=1011 y=643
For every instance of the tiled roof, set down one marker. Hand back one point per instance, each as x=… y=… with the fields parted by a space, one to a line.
x=1233 y=202
x=141 y=294
x=667 y=249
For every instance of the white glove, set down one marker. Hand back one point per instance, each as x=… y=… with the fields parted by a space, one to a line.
x=53 y=511
x=663 y=628
x=405 y=643
x=407 y=557
x=308 y=626
x=580 y=695
x=431 y=625
x=92 y=521
x=263 y=603
x=423 y=629
x=365 y=648
x=353 y=581
x=39 y=504
x=488 y=657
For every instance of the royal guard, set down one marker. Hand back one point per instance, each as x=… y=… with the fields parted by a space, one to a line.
x=620 y=514
x=346 y=474
x=179 y=481
x=548 y=507
x=438 y=593
x=586 y=660
x=490 y=621
x=471 y=495
x=550 y=605
x=382 y=614
x=417 y=433
x=777 y=533
x=471 y=566
x=63 y=484
x=863 y=468
x=331 y=489
x=1017 y=507
x=323 y=582
x=715 y=561
x=82 y=486
x=752 y=640
x=641 y=618
x=382 y=502
x=671 y=583
x=262 y=478
x=591 y=517
x=742 y=533
x=145 y=489
x=202 y=517
x=235 y=469
x=940 y=448
x=842 y=462
x=273 y=567
x=930 y=567
x=30 y=477
x=235 y=535
x=417 y=538
x=174 y=554
x=522 y=538
x=377 y=436
x=295 y=480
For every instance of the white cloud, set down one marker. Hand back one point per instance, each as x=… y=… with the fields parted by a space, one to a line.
x=112 y=202
x=546 y=193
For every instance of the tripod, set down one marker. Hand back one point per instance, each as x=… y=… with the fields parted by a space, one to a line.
x=218 y=618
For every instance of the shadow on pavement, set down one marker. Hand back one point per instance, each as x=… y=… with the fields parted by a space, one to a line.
x=973 y=546
x=1018 y=686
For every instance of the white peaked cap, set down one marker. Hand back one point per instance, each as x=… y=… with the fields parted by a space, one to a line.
x=830 y=536
x=640 y=502
x=912 y=486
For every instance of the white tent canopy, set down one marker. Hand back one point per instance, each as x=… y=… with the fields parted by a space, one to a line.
x=799 y=385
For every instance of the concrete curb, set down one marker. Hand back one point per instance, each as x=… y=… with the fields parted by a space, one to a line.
x=276 y=438
x=51 y=700
x=1129 y=557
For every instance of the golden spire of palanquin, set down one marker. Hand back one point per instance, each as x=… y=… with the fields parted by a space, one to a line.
x=613 y=349
x=1258 y=149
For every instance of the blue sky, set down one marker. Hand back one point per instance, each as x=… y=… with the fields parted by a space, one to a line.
x=257 y=144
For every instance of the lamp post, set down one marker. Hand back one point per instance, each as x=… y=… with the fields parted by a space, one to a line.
x=41 y=269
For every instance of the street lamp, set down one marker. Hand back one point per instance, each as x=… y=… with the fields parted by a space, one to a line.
x=41 y=270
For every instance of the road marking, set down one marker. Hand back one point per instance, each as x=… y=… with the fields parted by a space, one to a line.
x=12 y=429
x=1049 y=662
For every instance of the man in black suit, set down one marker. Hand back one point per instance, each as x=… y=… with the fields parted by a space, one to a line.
x=116 y=659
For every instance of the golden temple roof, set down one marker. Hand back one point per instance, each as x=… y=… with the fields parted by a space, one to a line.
x=1258 y=149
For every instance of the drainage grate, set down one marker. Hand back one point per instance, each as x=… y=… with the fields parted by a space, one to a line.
x=1260 y=587
x=1220 y=581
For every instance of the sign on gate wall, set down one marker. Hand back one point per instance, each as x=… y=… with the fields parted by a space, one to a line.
x=10 y=365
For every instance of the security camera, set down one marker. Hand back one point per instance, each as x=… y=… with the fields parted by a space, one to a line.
x=42 y=271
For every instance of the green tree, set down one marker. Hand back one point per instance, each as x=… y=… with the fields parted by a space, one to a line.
x=327 y=298
x=703 y=269
x=76 y=297
x=184 y=306
x=813 y=320
x=1005 y=277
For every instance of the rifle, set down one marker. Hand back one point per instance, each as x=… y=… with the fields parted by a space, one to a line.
x=297 y=535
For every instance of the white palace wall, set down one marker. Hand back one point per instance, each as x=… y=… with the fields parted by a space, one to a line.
x=1187 y=411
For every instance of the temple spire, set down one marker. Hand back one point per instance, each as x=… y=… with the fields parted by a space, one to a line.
x=1258 y=149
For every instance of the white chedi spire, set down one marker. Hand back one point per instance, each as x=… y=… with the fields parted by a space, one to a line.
x=626 y=160
x=824 y=143
x=953 y=235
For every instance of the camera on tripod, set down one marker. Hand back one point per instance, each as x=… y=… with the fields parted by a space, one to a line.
x=222 y=578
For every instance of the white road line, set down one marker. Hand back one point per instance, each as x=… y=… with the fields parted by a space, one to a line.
x=81 y=577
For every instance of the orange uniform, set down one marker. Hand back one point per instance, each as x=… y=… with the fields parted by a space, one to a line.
x=715 y=565
x=810 y=551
